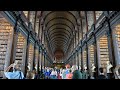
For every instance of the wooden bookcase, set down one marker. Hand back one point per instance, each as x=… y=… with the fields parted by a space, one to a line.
x=30 y=56
x=104 y=54
x=84 y=57
x=117 y=36
x=117 y=42
x=79 y=59
x=6 y=31
x=91 y=54
x=36 y=58
x=20 y=54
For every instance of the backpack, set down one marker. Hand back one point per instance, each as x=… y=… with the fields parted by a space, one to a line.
x=21 y=76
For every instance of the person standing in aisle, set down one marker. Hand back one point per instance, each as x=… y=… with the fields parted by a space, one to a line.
x=16 y=74
x=76 y=73
x=101 y=76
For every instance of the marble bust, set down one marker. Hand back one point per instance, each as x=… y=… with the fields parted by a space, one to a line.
x=36 y=66
x=29 y=66
x=85 y=67
x=109 y=65
x=93 y=68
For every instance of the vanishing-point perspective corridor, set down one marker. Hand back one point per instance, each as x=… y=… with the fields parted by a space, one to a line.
x=59 y=44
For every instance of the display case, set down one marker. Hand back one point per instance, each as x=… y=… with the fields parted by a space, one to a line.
x=6 y=32
x=104 y=54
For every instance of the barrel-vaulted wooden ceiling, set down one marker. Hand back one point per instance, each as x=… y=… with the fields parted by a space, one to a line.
x=59 y=26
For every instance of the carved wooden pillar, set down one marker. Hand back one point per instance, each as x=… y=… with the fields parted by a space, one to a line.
x=15 y=38
x=44 y=59
x=72 y=60
x=35 y=21
x=82 y=66
x=40 y=56
x=110 y=43
x=95 y=53
x=78 y=59
x=38 y=69
x=27 y=53
x=87 y=58
x=41 y=60
x=34 y=55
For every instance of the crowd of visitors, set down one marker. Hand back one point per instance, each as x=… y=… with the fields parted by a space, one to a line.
x=69 y=72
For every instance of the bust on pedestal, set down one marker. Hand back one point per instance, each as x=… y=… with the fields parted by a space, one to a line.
x=28 y=67
x=36 y=67
x=93 y=68
x=117 y=72
x=85 y=67
x=80 y=67
x=109 y=65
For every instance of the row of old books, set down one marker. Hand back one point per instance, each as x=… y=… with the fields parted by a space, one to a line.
x=5 y=34
x=20 y=48
x=91 y=51
x=31 y=53
x=104 y=54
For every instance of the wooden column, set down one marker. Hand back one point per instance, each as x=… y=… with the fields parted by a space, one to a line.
x=34 y=55
x=15 y=38
x=82 y=66
x=110 y=43
x=38 y=60
x=95 y=45
x=86 y=21
x=44 y=59
x=35 y=21
x=87 y=57
x=94 y=17
x=27 y=52
x=28 y=16
x=39 y=29
x=95 y=53
x=78 y=59
x=41 y=60
x=72 y=60
x=75 y=51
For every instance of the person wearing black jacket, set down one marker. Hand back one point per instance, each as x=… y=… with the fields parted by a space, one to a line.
x=101 y=76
